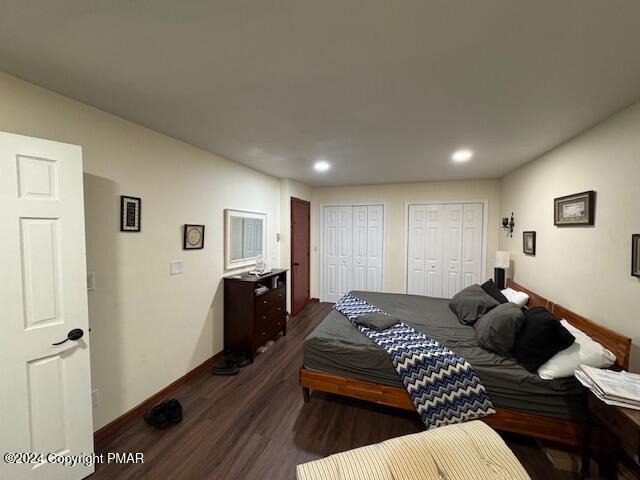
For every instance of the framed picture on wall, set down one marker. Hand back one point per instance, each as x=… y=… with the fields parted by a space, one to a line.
x=130 y=213
x=529 y=243
x=635 y=255
x=575 y=210
x=193 y=238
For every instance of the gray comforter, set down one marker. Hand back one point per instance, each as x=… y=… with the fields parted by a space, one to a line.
x=338 y=347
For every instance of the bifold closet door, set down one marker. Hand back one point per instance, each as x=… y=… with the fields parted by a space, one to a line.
x=472 y=241
x=353 y=250
x=338 y=261
x=444 y=248
x=425 y=250
x=452 y=240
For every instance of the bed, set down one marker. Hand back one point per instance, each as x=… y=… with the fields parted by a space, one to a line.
x=339 y=359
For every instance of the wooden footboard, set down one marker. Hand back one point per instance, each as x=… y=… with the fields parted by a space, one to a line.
x=537 y=426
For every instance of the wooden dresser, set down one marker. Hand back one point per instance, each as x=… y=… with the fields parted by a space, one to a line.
x=253 y=317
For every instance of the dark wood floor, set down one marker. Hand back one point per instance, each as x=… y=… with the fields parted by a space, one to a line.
x=255 y=426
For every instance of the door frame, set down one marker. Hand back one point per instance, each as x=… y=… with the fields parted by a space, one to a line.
x=385 y=239
x=292 y=249
x=485 y=225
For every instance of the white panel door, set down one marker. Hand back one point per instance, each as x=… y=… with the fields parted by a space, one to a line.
x=330 y=253
x=359 y=248
x=472 y=244
x=452 y=240
x=45 y=398
x=345 y=253
x=416 y=250
x=435 y=216
x=375 y=243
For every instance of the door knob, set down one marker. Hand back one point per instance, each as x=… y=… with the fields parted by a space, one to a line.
x=75 y=334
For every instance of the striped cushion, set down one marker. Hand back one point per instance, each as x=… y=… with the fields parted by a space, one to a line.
x=462 y=451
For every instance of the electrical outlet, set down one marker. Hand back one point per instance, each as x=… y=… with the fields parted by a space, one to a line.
x=91 y=281
x=94 y=398
x=175 y=267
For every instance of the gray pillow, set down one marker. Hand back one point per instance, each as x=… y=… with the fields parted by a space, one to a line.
x=497 y=329
x=471 y=303
x=376 y=320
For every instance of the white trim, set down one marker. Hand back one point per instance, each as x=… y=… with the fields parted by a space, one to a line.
x=245 y=262
x=385 y=240
x=485 y=226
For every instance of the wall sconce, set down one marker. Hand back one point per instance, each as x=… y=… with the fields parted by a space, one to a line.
x=508 y=224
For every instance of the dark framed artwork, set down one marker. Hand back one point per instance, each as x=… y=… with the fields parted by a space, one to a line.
x=635 y=254
x=130 y=208
x=529 y=243
x=193 y=238
x=574 y=210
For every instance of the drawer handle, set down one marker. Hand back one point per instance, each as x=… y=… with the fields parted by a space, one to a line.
x=265 y=302
x=264 y=317
x=264 y=334
x=278 y=323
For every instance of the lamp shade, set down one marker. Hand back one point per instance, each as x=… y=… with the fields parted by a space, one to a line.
x=502 y=259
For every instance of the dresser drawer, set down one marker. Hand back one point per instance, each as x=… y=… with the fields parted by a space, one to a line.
x=268 y=331
x=273 y=301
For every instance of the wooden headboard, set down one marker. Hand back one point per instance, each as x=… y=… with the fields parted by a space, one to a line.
x=614 y=341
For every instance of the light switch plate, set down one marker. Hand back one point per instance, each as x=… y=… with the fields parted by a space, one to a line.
x=91 y=281
x=94 y=398
x=175 y=267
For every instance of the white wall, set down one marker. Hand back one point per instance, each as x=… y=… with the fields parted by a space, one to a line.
x=395 y=197
x=148 y=328
x=586 y=269
x=289 y=188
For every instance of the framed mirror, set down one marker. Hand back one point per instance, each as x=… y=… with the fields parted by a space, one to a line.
x=245 y=238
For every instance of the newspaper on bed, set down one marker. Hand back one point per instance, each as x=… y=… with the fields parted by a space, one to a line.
x=613 y=388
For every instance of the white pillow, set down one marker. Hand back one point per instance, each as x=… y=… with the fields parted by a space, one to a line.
x=584 y=350
x=514 y=296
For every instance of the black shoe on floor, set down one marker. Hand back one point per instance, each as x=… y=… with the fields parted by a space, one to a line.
x=226 y=366
x=175 y=411
x=239 y=359
x=158 y=416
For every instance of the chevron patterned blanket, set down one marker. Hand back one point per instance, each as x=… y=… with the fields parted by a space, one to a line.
x=443 y=386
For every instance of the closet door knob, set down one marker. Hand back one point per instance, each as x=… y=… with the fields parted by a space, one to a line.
x=75 y=334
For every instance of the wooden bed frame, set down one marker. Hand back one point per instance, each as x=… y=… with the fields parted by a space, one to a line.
x=564 y=432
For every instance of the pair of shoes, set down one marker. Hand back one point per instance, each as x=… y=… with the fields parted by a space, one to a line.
x=231 y=364
x=164 y=414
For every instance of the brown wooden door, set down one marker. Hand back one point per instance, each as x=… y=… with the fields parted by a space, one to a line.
x=300 y=253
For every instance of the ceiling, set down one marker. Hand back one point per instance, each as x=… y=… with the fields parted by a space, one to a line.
x=383 y=90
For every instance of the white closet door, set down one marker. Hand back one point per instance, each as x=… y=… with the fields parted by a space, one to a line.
x=330 y=253
x=375 y=241
x=416 y=250
x=452 y=239
x=345 y=253
x=472 y=244
x=360 y=248
x=435 y=215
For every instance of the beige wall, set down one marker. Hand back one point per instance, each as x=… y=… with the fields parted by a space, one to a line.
x=395 y=197
x=288 y=189
x=148 y=328
x=586 y=269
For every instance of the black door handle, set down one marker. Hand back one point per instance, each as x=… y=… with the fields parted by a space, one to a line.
x=75 y=334
x=296 y=264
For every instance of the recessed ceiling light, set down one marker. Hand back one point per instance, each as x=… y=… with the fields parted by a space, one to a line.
x=462 y=155
x=321 y=166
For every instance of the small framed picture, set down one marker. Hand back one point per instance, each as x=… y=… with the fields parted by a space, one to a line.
x=635 y=255
x=130 y=213
x=529 y=243
x=193 y=237
x=575 y=210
